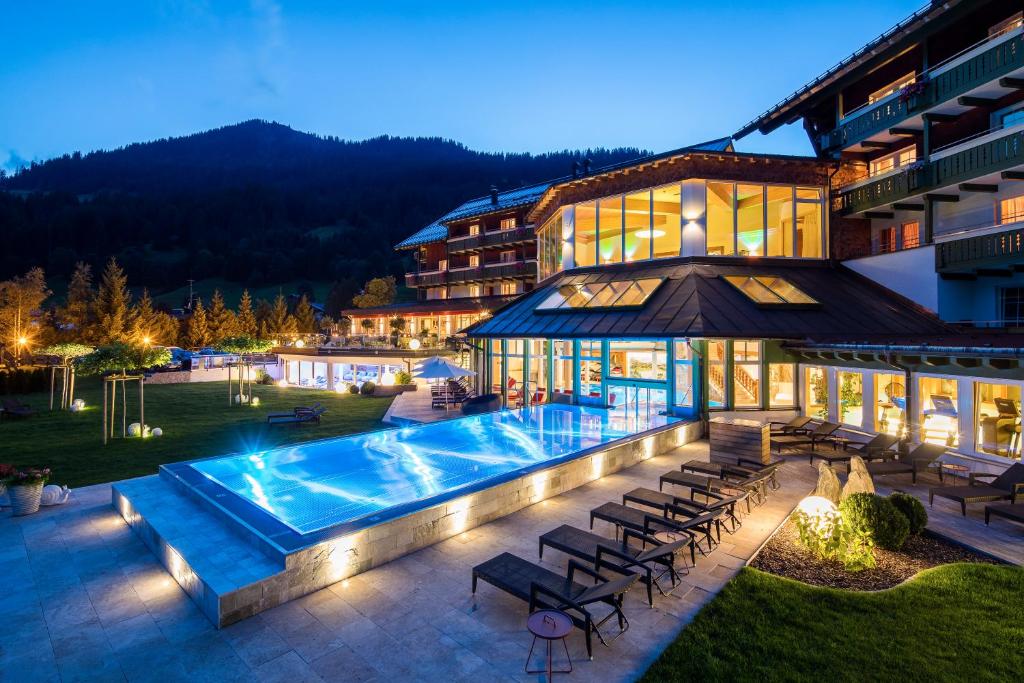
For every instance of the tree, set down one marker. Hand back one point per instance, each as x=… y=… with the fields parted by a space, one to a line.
x=340 y=297
x=112 y=305
x=380 y=291
x=21 y=303
x=150 y=326
x=244 y=347
x=114 y=361
x=280 y=320
x=198 y=334
x=305 y=319
x=247 y=326
x=221 y=320
x=263 y=313
x=78 y=309
x=65 y=355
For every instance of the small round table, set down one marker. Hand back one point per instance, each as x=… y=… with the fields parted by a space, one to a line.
x=549 y=625
x=959 y=471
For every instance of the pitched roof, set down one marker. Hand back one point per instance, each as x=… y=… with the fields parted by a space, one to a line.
x=435 y=232
x=457 y=305
x=695 y=301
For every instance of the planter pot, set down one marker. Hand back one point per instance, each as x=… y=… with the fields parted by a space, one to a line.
x=25 y=498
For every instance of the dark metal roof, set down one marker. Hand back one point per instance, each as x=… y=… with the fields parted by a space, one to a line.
x=696 y=302
x=458 y=305
x=782 y=112
x=435 y=232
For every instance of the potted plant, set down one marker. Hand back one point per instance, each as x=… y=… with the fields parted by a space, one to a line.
x=25 y=489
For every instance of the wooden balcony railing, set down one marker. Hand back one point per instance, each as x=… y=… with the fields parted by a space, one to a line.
x=994 y=250
x=425 y=279
x=986 y=66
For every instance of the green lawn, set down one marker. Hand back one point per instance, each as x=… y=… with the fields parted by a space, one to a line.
x=956 y=622
x=197 y=423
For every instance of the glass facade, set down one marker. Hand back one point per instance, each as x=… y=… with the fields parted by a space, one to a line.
x=939 y=416
x=782 y=385
x=997 y=421
x=638 y=360
x=890 y=403
x=816 y=393
x=851 y=398
x=590 y=369
x=746 y=374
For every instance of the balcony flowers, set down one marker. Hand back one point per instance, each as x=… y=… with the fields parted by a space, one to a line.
x=25 y=489
x=913 y=90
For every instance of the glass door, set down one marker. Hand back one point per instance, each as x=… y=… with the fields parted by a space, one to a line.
x=637 y=402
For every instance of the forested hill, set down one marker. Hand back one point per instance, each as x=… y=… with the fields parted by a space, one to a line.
x=257 y=203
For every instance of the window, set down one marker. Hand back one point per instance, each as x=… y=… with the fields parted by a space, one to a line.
x=638 y=360
x=889 y=89
x=809 y=223
x=514 y=366
x=563 y=360
x=938 y=419
x=720 y=219
x=1011 y=116
x=684 y=397
x=1015 y=21
x=892 y=162
x=746 y=374
x=508 y=287
x=779 y=204
x=887 y=240
x=616 y=294
x=508 y=223
x=507 y=257
x=549 y=246
x=1011 y=305
x=610 y=226
x=851 y=398
x=474 y=229
x=781 y=385
x=716 y=373
x=474 y=260
x=639 y=232
x=768 y=290
x=590 y=369
x=666 y=228
x=538 y=370
x=1011 y=210
x=997 y=419
x=497 y=368
x=474 y=290
x=911 y=234
x=816 y=393
x=890 y=403
x=750 y=220
x=586 y=234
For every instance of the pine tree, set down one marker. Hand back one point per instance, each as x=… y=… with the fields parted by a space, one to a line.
x=305 y=319
x=221 y=319
x=198 y=329
x=77 y=313
x=263 y=313
x=280 y=321
x=246 y=318
x=147 y=323
x=112 y=302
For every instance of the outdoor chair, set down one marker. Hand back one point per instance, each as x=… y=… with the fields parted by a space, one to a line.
x=1011 y=511
x=298 y=418
x=1006 y=486
x=758 y=467
x=542 y=588
x=763 y=476
x=755 y=485
x=823 y=433
x=661 y=501
x=295 y=411
x=620 y=556
x=798 y=425
x=881 y=447
x=918 y=460
x=15 y=408
x=708 y=525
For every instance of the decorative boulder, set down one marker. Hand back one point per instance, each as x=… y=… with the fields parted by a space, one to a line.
x=156 y=431
x=859 y=480
x=54 y=495
x=828 y=483
x=134 y=429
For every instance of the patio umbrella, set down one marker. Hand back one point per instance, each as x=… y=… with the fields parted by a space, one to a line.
x=442 y=368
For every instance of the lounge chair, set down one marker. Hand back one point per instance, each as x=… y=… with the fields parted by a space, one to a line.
x=758 y=467
x=755 y=485
x=918 y=460
x=298 y=418
x=798 y=425
x=823 y=433
x=620 y=556
x=881 y=447
x=738 y=473
x=661 y=501
x=15 y=408
x=295 y=411
x=1006 y=486
x=1011 y=511
x=542 y=588
x=708 y=525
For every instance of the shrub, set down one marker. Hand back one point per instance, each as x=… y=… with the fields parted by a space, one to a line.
x=267 y=379
x=403 y=377
x=353 y=389
x=877 y=517
x=912 y=509
x=824 y=532
x=367 y=388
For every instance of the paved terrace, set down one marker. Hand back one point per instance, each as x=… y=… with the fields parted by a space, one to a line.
x=87 y=600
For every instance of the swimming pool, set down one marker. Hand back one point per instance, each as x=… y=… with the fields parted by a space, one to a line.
x=314 y=486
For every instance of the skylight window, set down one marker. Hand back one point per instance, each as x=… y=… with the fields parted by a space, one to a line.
x=615 y=294
x=770 y=290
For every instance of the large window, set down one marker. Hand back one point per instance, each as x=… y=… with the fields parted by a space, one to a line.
x=890 y=403
x=586 y=234
x=809 y=222
x=781 y=385
x=515 y=365
x=1011 y=210
x=890 y=162
x=997 y=419
x=716 y=373
x=779 y=220
x=758 y=220
x=549 y=246
x=563 y=373
x=666 y=227
x=610 y=215
x=683 y=371
x=1011 y=305
x=939 y=418
x=720 y=222
x=497 y=368
x=750 y=220
x=746 y=374
x=816 y=393
x=637 y=360
x=851 y=398
x=638 y=226
x=590 y=369
x=538 y=381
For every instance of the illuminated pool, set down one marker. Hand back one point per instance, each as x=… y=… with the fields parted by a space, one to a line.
x=314 y=486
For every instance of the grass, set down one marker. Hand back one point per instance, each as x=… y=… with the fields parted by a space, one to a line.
x=196 y=420
x=955 y=622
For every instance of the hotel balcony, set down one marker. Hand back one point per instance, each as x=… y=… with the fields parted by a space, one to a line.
x=985 y=72
x=976 y=164
x=426 y=279
x=493 y=271
x=469 y=243
x=987 y=251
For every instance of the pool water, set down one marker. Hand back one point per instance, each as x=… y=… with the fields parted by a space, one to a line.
x=313 y=486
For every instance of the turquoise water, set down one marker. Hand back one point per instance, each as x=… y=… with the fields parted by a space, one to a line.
x=317 y=485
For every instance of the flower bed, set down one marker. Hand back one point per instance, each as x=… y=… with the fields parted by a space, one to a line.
x=784 y=555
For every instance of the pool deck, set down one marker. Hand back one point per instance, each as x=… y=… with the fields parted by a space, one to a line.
x=415 y=406
x=91 y=602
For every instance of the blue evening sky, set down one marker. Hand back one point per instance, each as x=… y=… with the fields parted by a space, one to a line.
x=509 y=76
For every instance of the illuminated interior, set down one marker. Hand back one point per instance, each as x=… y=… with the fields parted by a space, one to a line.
x=890 y=403
x=997 y=419
x=939 y=418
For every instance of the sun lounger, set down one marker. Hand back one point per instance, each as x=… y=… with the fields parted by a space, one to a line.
x=295 y=411
x=544 y=589
x=708 y=525
x=1011 y=511
x=881 y=447
x=15 y=408
x=298 y=417
x=823 y=433
x=1006 y=486
x=620 y=556
x=660 y=501
x=798 y=425
x=914 y=462
x=755 y=485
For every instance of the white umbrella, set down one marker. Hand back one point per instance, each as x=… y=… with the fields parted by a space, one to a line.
x=442 y=368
